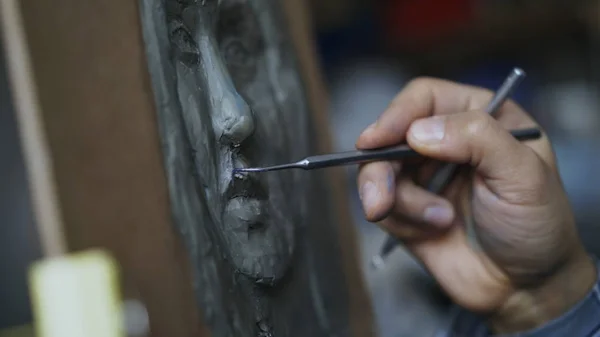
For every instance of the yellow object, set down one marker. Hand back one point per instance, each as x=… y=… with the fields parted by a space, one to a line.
x=76 y=295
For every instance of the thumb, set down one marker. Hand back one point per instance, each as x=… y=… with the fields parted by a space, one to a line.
x=475 y=138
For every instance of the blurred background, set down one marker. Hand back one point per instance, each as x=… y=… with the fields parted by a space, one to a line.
x=368 y=50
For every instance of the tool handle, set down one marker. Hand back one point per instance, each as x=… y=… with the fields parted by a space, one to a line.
x=392 y=153
x=442 y=178
x=359 y=156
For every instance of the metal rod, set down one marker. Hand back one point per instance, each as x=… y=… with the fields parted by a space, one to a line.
x=356 y=157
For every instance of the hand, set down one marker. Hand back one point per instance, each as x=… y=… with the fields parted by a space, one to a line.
x=530 y=266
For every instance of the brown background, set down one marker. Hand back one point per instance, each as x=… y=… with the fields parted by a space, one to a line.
x=97 y=106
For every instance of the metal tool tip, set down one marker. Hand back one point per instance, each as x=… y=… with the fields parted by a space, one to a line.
x=519 y=72
x=239 y=173
x=246 y=170
x=377 y=262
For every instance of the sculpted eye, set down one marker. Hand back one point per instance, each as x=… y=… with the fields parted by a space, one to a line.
x=236 y=54
x=183 y=44
x=240 y=41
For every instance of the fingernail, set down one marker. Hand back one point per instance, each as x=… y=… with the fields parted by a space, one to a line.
x=429 y=130
x=369 y=194
x=441 y=215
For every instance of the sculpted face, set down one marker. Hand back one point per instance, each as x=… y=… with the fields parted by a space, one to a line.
x=239 y=110
x=228 y=94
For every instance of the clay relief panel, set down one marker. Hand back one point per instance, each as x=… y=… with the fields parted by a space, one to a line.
x=228 y=92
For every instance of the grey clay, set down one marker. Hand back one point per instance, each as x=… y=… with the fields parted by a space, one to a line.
x=228 y=93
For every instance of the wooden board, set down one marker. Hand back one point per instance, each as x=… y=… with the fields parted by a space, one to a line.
x=98 y=124
x=301 y=31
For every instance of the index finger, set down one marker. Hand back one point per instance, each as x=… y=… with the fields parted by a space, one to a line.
x=421 y=98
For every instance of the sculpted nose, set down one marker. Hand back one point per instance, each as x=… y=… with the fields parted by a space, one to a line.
x=238 y=120
x=232 y=118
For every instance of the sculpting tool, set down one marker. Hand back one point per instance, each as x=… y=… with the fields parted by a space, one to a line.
x=354 y=157
x=444 y=175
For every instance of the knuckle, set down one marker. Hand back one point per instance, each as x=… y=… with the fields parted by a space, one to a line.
x=413 y=94
x=375 y=172
x=482 y=96
x=477 y=126
x=419 y=80
x=422 y=83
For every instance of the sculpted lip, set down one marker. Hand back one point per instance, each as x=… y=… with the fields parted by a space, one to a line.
x=247 y=214
x=246 y=200
x=245 y=186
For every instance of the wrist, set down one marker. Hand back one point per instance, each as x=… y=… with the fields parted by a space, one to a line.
x=529 y=308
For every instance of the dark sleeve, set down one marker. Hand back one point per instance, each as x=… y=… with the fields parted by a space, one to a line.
x=583 y=320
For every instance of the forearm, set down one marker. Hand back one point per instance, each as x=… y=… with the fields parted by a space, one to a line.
x=530 y=308
x=570 y=306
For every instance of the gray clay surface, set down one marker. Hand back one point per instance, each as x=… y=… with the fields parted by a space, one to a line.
x=264 y=248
